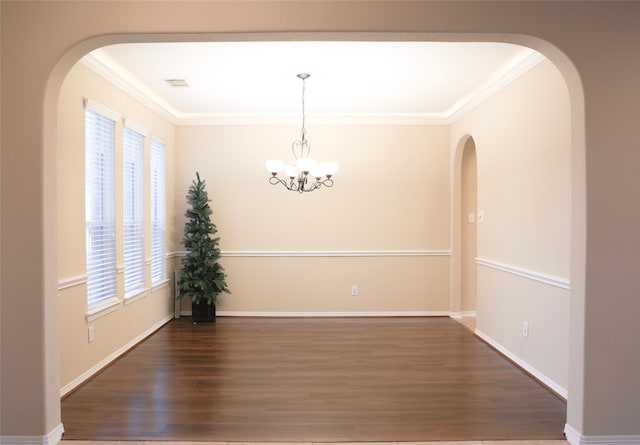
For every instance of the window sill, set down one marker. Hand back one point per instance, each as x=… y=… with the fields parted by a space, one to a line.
x=134 y=296
x=159 y=284
x=104 y=308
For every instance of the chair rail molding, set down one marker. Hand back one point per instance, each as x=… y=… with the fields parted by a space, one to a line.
x=326 y=253
x=525 y=273
x=73 y=281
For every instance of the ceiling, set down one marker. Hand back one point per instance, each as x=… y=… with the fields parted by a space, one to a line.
x=255 y=82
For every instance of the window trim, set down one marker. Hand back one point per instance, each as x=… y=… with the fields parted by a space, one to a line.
x=107 y=304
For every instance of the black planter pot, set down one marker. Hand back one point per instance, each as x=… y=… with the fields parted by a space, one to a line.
x=203 y=313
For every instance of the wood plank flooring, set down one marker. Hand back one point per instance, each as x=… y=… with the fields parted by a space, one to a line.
x=313 y=380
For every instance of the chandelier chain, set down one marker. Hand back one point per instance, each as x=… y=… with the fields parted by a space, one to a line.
x=303 y=110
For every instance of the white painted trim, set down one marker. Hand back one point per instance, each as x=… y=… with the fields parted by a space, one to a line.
x=525 y=62
x=327 y=253
x=542 y=278
x=575 y=438
x=104 y=362
x=135 y=127
x=331 y=314
x=160 y=284
x=100 y=109
x=572 y=435
x=317 y=119
x=103 y=65
x=73 y=281
x=111 y=305
x=97 y=63
x=52 y=438
x=463 y=314
x=553 y=386
x=135 y=296
x=187 y=313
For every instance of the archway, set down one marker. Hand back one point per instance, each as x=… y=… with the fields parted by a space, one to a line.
x=41 y=146
x=467 y=259
x=472 y=265
x=470 y=218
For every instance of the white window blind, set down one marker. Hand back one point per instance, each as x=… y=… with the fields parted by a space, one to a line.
x=100 y=207
x=133 y=191
x=157 y=178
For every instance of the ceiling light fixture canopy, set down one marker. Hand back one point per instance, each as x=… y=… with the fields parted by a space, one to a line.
x=305 y=167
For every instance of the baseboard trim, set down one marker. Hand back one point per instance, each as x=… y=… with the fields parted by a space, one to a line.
x=323 y=253
x=52 y=438
x=543 y=379
x=575 y=438
x=462 y=314
x=66 y=389
x=330 y=314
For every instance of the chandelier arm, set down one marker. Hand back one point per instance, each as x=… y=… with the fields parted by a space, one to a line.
x=327 y=182
x=274 y=180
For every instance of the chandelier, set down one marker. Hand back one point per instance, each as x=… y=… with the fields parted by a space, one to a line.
x=306 y=175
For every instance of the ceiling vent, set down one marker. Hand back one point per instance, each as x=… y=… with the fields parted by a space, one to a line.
x=177 y=82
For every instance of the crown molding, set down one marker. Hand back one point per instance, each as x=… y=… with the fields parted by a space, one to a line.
x=527 y=60
x=99 y=64
x=102 y=65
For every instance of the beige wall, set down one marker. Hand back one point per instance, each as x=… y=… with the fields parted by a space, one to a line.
x=42 y=40
x=117 y=330
x=391 y=197
x=522 y=137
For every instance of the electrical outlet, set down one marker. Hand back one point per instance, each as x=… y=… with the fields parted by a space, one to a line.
x=354 y=290
x=525 y=328
x=91 y=335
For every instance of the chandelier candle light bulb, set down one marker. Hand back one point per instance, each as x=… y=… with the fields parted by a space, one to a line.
x=305 y=166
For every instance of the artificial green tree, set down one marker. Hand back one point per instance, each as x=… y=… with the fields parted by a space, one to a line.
x=202 y=277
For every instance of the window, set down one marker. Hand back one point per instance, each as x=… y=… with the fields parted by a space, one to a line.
x=133 y=211
x=157 y=178
x=100 y=207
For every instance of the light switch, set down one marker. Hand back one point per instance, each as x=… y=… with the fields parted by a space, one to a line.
x=471 y=217
x=480 y=216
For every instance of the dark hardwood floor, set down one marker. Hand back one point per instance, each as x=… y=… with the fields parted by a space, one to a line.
x=313 y=380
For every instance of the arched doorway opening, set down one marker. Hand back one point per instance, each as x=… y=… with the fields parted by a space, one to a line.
x=46 y=133
x=467 y=284
x=469 y=231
